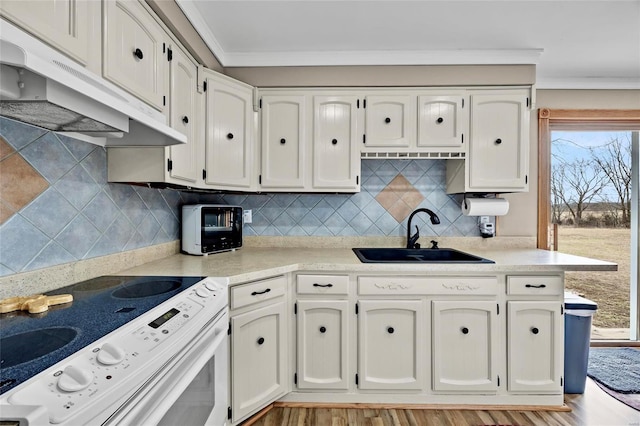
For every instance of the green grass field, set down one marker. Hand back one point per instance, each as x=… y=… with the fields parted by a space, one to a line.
x=609 y=289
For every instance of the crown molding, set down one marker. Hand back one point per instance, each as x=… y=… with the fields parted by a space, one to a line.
x=194 y=16
x=587 y=83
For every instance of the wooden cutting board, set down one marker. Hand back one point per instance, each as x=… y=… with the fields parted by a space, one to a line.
x=35 y=304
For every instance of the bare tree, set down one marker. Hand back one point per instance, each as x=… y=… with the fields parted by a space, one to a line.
x=579 y=181
x=614 y=159
x=557 y=182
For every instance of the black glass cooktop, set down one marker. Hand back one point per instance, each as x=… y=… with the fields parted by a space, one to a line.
x=32 y=343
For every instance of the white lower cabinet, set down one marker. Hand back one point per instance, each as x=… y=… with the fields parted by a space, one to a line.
x=323 y=338
x=259 y=346
x=465 y=345
x=391 y=344
x=535 y=354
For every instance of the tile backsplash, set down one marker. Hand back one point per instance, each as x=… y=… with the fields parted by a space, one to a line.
x=56 y=205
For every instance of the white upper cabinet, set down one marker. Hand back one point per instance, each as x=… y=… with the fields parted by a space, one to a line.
x=390 y=121
x=498 y=152
x=442 y=121
x=185 y=108
x=72 y=27
x=336 y=160
x=284 y=148
x=229 y=147
x=135 y=48
x=310 y=141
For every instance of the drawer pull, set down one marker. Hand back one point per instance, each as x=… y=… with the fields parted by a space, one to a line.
x=255 y=293
x=323 y=285
x=536 y=286
x=260 y=340
x=390 y=330
x=535 y=330
x=138 y=53
x=323 y=329
x=464 y=330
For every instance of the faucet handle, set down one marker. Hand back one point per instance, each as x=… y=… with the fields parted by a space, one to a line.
x=434 y=244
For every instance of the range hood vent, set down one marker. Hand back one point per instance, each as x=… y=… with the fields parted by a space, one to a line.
x=42 y=87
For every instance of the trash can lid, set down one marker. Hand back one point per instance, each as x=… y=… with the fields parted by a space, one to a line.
x=573 y=301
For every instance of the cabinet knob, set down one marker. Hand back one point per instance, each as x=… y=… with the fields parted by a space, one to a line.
x=464 y=330
x=387 y=120
x=229 y=135
x=323 y=329
x=185 y=119
x=390 y=330
x=498 y=141
x=535 y=330
x=283 y=141
x=334 y=141
x=138 y=53
x=260 y=340
x=439 y=120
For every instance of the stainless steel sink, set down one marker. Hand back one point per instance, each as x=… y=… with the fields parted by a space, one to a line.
x=403 y=255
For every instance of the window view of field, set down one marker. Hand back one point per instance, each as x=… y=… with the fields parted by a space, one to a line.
x=591 y=204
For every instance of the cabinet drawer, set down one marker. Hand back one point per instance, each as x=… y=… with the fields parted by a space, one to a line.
x=323 y=284
x=427 y=285
x=542 y=285
x=259 y=291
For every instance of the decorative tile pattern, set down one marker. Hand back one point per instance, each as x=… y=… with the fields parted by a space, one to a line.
x=63 y=209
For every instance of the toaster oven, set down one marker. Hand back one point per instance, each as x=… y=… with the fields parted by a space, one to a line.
x=210 y=228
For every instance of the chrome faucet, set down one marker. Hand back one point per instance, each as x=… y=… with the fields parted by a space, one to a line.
x=412 y=240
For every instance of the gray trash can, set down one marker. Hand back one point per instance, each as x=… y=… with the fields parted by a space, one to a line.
x=577 y=334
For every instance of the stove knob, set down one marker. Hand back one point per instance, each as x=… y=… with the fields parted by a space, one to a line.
x=202 y=292
x=110 y=354
x=211 y=285
x=74 y=379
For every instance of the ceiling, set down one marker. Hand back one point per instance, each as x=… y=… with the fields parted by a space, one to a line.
x=574 y=44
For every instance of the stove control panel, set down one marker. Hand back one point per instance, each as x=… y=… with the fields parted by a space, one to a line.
x=114 y=366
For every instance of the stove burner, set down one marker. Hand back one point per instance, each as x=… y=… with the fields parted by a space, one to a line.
x=98 y=284
x=34 y=344
x=146 y=288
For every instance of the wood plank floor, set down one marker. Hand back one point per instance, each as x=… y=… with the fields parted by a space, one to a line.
x=593 y=408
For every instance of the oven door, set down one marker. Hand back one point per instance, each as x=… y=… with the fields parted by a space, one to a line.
x=192 y=388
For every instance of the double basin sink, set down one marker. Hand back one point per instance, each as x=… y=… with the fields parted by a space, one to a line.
x=426 y=255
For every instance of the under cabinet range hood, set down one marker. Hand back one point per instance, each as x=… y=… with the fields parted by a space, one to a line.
x=42 y=87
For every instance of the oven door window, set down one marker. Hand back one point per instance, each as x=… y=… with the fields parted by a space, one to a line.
x=216 y=221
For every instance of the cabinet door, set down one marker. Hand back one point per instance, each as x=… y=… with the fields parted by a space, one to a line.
x=228 y=141
x=336 y=160
x=323 y=354
x=391 y=342
x=442 y=121
x=184 y=110
x=535 y=339
x=464 y=346
x=72 y=27
x=390 y=121
x=258 y=350
x=498 y=148
x=134 y=49
x=283 y=141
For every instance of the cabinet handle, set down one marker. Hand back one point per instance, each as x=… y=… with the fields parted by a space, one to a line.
x=334 y=141
x=283 y=141
x=535 y=330
x=535 y=286
x=464 y=330
x=387 y=120
x=390 y=330
x=439 y=120
x=322 y=285
x=323 y=329
x=255 y=293
x=498 y=141
x=185 y=119
x=260 y=340
x=138 y=53
x=229 y=135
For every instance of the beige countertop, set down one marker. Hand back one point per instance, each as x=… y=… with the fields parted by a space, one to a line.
x=252 y=263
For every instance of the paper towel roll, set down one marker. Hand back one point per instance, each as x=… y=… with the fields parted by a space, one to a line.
x=485 y=207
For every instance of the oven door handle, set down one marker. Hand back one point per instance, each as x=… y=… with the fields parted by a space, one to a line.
x=150 y=403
